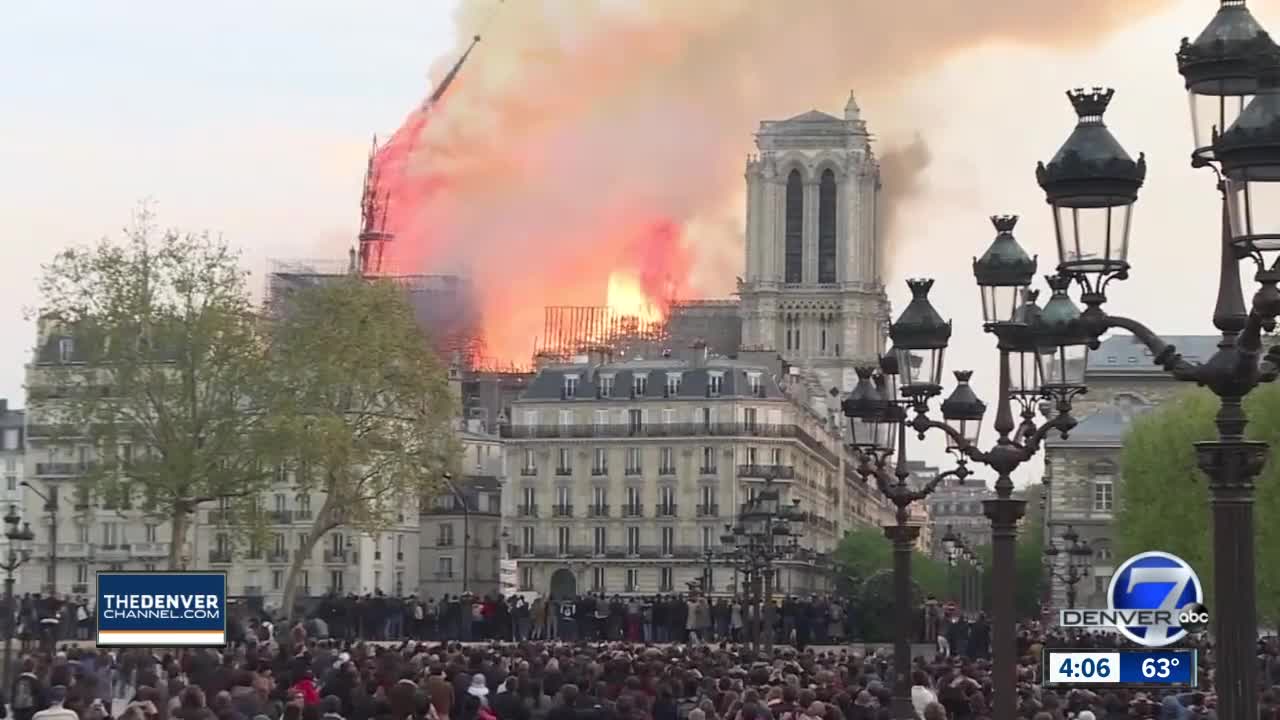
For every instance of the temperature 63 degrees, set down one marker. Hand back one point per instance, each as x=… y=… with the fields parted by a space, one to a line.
x=1158 y=667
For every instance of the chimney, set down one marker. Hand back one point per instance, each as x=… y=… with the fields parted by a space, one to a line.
x=699 y=353
x=4 y=405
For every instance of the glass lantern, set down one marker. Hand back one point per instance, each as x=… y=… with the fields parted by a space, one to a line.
x=1003 y=273
x=963 y=410
x=920 y=338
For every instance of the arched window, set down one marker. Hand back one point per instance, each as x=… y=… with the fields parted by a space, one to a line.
x=795 y=228
x=827 y=228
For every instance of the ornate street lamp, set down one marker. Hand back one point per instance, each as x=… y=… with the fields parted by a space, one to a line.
x=1045 y=344
x=19 y=539
x=1232 y=60
x=1078 y=557
x=762 y=535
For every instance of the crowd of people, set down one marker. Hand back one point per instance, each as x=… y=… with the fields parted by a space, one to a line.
x=313 y=669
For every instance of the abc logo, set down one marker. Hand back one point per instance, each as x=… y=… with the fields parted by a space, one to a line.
x=1194 y=617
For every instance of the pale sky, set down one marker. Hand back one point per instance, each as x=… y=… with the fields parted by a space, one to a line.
x=253 y=119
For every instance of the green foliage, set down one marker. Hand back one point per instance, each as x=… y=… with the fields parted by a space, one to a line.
x=367 y=409
x=165 y=374
x=1164 y=498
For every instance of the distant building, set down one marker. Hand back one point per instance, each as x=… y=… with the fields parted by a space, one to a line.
x=462 y=544
x=958 y=507
x=625 y=473
x=1082 y=473
x=13 y=450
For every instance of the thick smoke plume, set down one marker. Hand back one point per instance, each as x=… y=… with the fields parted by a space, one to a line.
x=902 y=178
x=587 y=137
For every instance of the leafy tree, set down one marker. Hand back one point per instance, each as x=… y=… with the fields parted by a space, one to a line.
x=368 y=406
x=163 y=373
x=1163 y=501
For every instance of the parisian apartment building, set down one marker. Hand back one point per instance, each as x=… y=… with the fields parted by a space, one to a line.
x=624 y=475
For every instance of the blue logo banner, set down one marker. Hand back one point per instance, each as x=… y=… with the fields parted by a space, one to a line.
x=162 y=609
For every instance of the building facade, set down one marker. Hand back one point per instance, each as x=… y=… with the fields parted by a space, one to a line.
x=812 y=289
x=460 y=530
x=13 y=450
x=1082 y=473
x=958 y=507
x=624 y=474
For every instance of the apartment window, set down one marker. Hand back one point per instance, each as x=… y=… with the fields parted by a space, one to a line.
x=633 y=540
x=530 y=466
x=277 y=543
x=530 y=503
x=445 y=567
x=400 y=546
x=526 y=540
x=111 y=534
x=149 y=532
x=446 y=535
x=752 y=456
x=665 y=582
x=598 y=540
x=708 y=498
x=11 y=482
x=633 y=461
x=753 y=380
x=708 y=459
x=600 y=462
x=1103 y=494
x=715 y=383
x=635 y=420
x=562 y=540
x=775 y=456
x=668 y=537
x=708 y=417
x=673 y=384
x=304 y=503
x=666 y=501
x=335 y=581
x=602 y=418
x=570 y=386
x=526 y=578
x=66 y=349
x=667 y=461
x=82 y=574
x=399 y=589
x=530 y=417
x=566 y=418
x=563 y=499
x=277 y=579
x=749 y=419
x=599 y=497
x=641 y=385
x=597 y=579
x=708 y=538
x=606 y=386
x=222 y=542
x=633 y=580
x=633 y=501
x=564 y=461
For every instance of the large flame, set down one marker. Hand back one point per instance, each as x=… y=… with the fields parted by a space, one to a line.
x=626 y=296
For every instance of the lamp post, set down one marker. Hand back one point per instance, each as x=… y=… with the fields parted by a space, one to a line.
x=1232 y=75
x=707 y=556
x=1041 y=354
x=466 y=525
x=762 y=535
x=18 y=538
x=51 y=507
x=1078 y=554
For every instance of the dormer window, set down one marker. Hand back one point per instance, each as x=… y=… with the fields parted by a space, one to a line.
x=66 y=348
x=715 y=383
x=753 y=380
x=570 y=386
x=673 y=384
x=606 y=386
x=641 y=385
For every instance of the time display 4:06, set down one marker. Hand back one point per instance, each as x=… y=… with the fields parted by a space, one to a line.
x=1084 y=667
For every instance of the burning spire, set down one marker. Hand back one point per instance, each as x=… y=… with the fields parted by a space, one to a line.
x=373 y=218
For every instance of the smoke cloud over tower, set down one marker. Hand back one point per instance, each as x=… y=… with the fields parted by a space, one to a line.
x=587 y=139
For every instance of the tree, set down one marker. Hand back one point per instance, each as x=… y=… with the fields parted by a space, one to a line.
x=367 y=406
x=160 y=374
x=866 y=551
x=1163 y=500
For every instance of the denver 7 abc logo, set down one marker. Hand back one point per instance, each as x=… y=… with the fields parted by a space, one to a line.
x=1155 y=598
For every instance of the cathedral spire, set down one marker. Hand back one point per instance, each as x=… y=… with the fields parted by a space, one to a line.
x=448 y=79
x=851 y=110
x=373 y=218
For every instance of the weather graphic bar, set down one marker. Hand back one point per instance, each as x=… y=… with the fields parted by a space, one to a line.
x=1130 y=667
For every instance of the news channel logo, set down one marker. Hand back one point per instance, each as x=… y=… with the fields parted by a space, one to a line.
x=162 y=609
x=1155 y=599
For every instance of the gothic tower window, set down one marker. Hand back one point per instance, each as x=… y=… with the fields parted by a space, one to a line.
x=827 y=228
x=795 y=228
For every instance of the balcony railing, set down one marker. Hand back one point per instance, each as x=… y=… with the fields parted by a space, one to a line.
x=220 y=557
x=444 y=574
x=564 y=471
x=767 y=472
x=80 y=588
x=633 y=470
x=610 y=552
x=280 y=517
x=529 y=471
x=597 y=511
x=150 y=549
x=658 y=430
x=278 y=556
x=253 y=590
x=667 y=470
x=562 y=511
x=63 y=468
x=633 y=511
x=221 y=517
x=527 y=510
x=708 y=510
x=335 y=556
x=667 y=510
x=444 y=541
x=302 y=515
x=599 y=471
x=709 y=470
